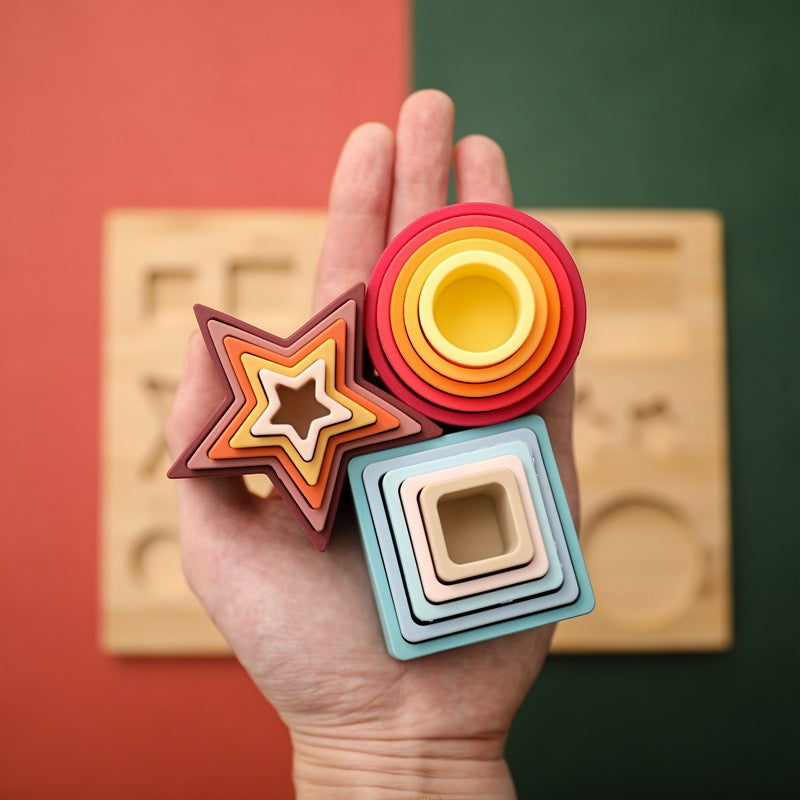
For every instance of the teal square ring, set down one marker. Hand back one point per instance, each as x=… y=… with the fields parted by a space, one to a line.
x=407 y=638
x=414 y=630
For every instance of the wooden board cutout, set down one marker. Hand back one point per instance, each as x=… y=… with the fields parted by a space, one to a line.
x=256 y=265
x=651 y=425
x=651 y=431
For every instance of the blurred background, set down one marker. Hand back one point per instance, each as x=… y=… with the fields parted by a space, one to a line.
x=623 y=103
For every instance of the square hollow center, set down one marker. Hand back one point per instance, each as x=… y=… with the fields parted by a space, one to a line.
x=476 y=523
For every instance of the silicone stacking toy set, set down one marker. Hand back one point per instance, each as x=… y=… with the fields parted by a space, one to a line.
x=473 y=315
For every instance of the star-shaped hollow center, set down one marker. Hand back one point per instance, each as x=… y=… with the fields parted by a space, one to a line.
x=299 y=407
x=301 y=422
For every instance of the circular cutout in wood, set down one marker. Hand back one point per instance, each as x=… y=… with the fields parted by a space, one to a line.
x=156 y=561
x=646 y=564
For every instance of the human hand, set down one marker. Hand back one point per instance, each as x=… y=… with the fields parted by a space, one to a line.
x=304 y=624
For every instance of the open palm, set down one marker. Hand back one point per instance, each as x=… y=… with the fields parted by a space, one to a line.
x=304 y=624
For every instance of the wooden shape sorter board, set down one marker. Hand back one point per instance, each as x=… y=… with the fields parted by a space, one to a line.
x=651 y=431
x=257 y=265
x=650 y=424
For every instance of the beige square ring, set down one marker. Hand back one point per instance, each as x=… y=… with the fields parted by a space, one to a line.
x=475 y=524
x=517 y=560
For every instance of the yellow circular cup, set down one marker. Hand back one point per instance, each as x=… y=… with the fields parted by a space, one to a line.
x=426 y=362
x=476 y=308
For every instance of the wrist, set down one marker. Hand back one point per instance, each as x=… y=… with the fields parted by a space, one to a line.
x=378 y=768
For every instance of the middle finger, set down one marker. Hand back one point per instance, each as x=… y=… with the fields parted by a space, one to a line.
x=424 y=150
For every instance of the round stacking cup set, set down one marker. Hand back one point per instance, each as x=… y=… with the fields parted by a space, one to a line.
x=473 y=315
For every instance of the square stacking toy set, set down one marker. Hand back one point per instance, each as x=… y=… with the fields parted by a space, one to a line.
x=473 y=315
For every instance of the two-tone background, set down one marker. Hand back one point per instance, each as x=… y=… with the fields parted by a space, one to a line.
x=624 y=103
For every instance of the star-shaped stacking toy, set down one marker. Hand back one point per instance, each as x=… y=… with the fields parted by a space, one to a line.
x=297 y=409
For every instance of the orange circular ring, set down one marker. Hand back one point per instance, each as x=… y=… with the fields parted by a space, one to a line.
x=498 y=383
x=458 y=371
x=492 y=382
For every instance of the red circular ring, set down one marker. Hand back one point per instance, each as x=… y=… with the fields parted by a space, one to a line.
x=451 y=217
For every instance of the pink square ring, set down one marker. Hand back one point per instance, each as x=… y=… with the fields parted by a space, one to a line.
x=492 y=574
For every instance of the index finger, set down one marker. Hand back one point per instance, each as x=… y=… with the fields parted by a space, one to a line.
x=358 y=212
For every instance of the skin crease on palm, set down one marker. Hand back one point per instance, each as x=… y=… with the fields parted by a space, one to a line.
x=303 y=623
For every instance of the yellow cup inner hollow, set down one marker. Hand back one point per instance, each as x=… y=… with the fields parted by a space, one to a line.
x=476 y=308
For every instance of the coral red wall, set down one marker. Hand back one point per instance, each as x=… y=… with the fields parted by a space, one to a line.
x=120 y=104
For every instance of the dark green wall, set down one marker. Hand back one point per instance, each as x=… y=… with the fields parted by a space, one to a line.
x=672 y=104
